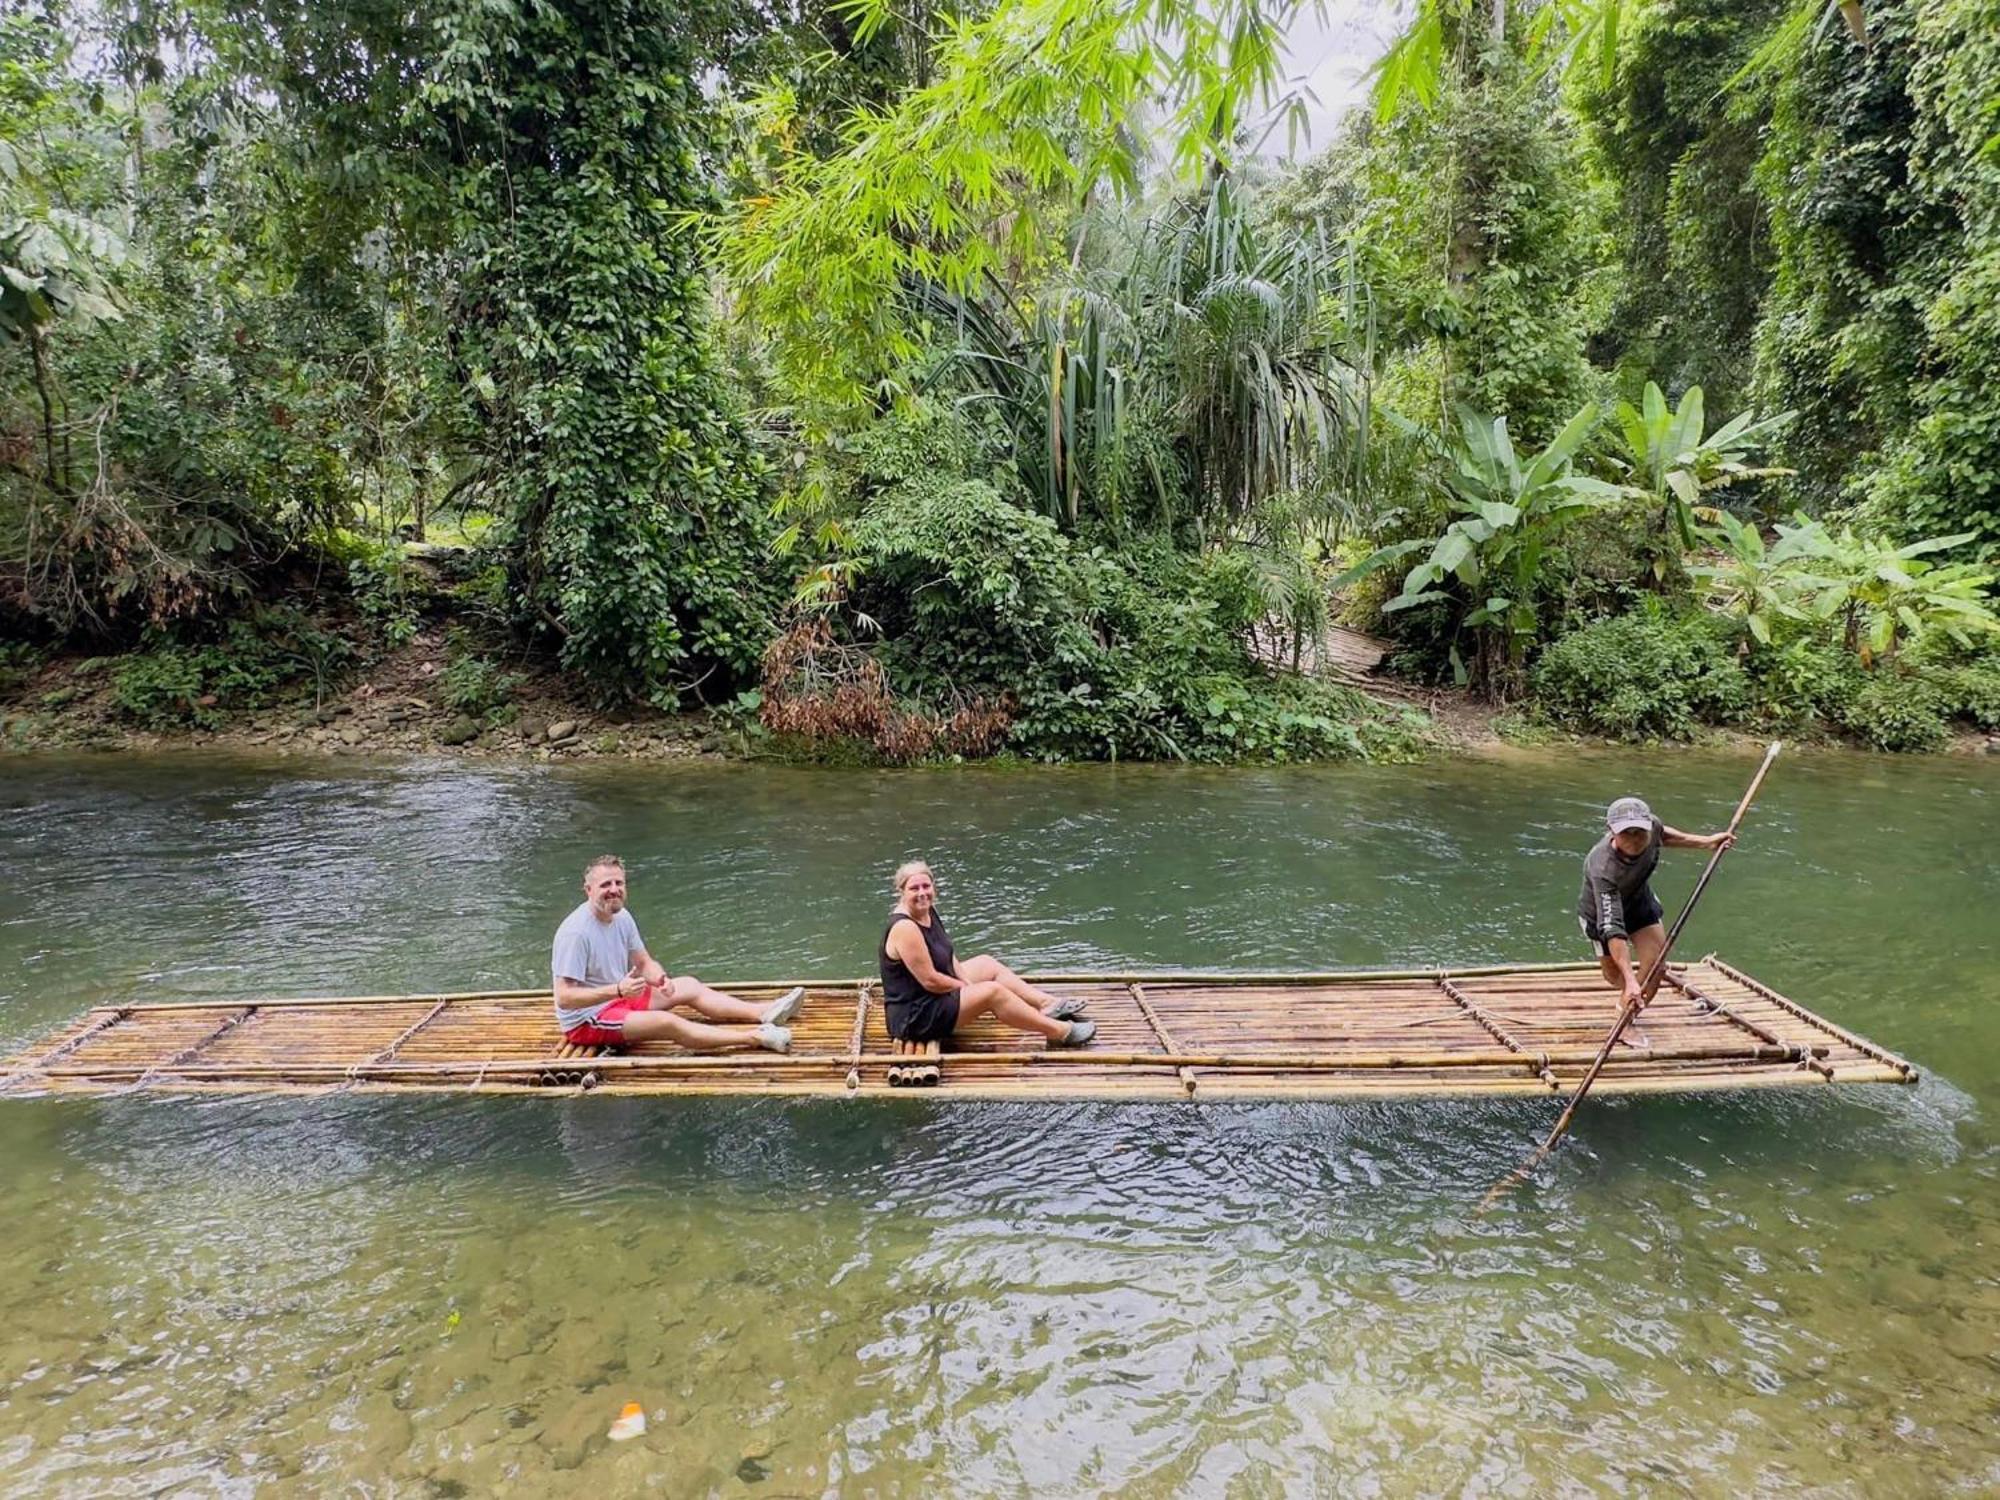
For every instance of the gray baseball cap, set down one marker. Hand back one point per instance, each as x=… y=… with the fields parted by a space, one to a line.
x=1628 y=812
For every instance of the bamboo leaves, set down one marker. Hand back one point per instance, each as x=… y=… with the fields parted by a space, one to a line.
x=963 y=180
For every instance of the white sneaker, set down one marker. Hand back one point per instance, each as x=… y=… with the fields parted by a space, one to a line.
x=784 y=1007
x=777 y=1038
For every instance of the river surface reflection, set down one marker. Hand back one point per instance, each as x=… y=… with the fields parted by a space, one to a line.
x=1785 y=1294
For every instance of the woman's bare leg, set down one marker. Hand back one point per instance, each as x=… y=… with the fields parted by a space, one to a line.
x=987 y=967
x=990 y=997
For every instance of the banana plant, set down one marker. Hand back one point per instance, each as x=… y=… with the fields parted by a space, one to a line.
x=1509 y=512
x=1883 y=594
x=1757 y=584
x=53 y=262
x=1675 y=464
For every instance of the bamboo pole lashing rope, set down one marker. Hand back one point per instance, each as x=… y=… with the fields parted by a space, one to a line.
x=104 y=1023
x=409 y=1031
x=187 y=1052
x=1465 y=1002
x=1761 y=1032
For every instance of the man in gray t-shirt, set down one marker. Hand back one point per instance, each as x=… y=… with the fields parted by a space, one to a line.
x=1617 y=909
x=610 y=991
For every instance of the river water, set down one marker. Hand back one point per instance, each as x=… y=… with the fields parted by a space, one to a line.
x=1789 y=1293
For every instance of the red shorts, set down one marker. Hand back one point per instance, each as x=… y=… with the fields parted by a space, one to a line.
x=608 y=1029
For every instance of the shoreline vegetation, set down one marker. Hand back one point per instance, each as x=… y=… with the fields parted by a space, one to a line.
x=591 y=378
x=407 y=700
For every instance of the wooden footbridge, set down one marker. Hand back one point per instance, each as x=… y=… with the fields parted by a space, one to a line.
x=1501 y=1030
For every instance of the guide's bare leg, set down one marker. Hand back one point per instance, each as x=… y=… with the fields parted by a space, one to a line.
x=1646 y=946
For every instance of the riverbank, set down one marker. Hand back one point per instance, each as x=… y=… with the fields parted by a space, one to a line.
x=400 y=704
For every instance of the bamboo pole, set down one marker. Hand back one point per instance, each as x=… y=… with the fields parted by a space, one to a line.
x=1628 y=1012
x=1326 y=977
x=860 y=1031
x=753 y=1065
x=1138 y=992
x=1152 y=1087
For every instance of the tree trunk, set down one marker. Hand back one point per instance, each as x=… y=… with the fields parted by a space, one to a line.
x=38 y=353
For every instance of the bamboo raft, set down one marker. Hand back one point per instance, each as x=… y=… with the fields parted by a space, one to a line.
x=1515 y=1029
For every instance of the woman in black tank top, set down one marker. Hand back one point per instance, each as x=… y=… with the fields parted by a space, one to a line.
x=926 y=992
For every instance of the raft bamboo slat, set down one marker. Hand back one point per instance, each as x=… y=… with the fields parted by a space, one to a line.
x=1494 y=1029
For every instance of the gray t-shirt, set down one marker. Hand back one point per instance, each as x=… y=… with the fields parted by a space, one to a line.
x=1614 y=885
x=592 y=952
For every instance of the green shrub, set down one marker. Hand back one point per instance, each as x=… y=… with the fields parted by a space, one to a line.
x=386 y=590
x=1805 y=683
x=258 y=657
x=1971 y=690
x=1895 y=712
x=976 y=606
x=19 y=661
x=161 y=688
x=1641 y=676
x=472 y=685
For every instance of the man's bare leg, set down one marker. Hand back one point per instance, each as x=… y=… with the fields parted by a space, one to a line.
x=1644 y=946
x=1648 y=943
x=698 y=1036
x=713 y=1003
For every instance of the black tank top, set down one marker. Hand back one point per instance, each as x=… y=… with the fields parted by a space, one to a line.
x=899 y=985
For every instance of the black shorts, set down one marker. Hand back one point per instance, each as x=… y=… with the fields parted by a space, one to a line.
x=1643 y=910
x=930 y=1019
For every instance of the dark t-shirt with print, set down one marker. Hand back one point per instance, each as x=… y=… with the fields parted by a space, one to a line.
x=1615 y=897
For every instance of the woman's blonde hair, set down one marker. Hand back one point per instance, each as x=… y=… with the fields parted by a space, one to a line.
x=906 y=869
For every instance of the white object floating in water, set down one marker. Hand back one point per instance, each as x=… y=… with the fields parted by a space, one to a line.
x=631 y=1422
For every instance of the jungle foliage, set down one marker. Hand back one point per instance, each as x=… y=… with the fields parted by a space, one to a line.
x=959 y=379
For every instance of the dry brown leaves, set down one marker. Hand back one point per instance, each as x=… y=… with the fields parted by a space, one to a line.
x=822 y=689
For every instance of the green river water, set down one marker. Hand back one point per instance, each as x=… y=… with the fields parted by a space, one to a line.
x=1792 y=1293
